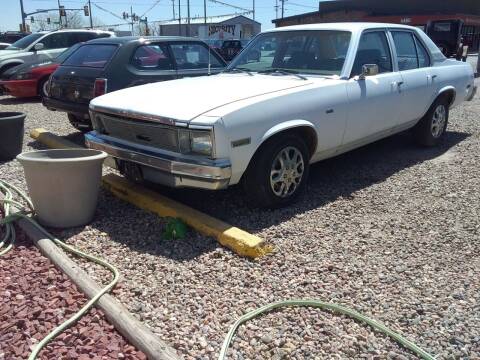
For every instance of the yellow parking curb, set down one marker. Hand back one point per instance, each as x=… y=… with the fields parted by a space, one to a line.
x=241 y=242
x=51 y=140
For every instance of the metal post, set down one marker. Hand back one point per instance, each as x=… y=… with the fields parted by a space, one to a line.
x=205 y=11
x=90 y=12
x=283 y=7
x=253 y=9
x=131 y=18
x=173 y=9
x=188 y=17
x=24 y=27
x=59 y=17
x=276 y=9
x=179 y=18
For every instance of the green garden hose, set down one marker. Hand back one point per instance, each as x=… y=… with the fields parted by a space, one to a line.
x=327 y=306
x=9 y=239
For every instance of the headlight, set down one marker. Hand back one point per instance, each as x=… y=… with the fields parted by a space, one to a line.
x=195 y=142
x=201 y=143
x=22 y=76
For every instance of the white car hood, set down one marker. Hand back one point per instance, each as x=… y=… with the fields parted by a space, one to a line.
x=5 y=53
x=187 y=98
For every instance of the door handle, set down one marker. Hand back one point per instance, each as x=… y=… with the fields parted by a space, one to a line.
x=434 y=77
x=400 y=83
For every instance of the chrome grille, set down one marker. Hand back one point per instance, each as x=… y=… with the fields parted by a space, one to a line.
x=139 y=131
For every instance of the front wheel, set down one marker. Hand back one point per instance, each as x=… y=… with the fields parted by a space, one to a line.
x=433 y=125
x=278 y=172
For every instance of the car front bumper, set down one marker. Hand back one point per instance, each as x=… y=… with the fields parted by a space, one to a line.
x=164 y=167
x=20 y=88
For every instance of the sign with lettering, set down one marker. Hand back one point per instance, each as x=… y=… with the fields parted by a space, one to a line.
x=229 y=29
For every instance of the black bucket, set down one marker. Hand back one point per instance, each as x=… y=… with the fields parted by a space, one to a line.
x=11 y=134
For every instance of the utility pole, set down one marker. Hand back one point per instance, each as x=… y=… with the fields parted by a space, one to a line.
x=90 y=13
x=131 y=17
x=253 y=9
x=188 y=17
x=24 y=27
x=205 y=11
x=283 y=7
x=276 y=9
x=173 y=9
x=60 y=17
x=179 y=18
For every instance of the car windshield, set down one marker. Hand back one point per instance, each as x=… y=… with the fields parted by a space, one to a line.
x=23 y=43
x=320 y=52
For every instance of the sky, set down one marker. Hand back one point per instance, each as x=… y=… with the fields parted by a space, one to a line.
x=10 y=17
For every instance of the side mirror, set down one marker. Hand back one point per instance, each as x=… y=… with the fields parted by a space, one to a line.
x=38 y=46
x=369 y=70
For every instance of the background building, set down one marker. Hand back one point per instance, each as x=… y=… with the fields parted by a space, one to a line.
x=215 y=28
x=410 y=12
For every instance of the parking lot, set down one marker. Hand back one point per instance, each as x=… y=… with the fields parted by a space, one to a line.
x=391 y=230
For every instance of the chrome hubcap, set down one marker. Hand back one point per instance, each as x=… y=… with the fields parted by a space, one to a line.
x=438 y=120
x=287 y=172
x=45 y=88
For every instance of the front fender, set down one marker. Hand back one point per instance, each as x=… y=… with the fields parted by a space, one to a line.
x=9 y=63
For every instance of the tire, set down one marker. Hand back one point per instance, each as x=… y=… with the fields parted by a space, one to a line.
x=432 y=127
x=82 y=125
x=265 y=190
x=43 y=87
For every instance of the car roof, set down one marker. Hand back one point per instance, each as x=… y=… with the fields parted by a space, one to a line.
x=345 y=26
x=141 y=39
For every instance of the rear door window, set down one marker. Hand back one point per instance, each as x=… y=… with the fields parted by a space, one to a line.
x=94 y=55
x=152 y=57
x=56 y=41
x=406 y=51
x=194 y=56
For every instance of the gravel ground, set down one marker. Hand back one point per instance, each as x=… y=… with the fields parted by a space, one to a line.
x=35 y=297
x=391 y=230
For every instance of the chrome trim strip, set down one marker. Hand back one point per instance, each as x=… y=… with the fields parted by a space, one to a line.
x=136 y=115
x=205 y=169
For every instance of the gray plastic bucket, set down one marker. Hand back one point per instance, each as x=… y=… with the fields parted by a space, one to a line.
x=11 y=134
x=63 y=184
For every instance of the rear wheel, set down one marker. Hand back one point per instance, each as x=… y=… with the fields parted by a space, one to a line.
x=433 y=125
x=43 y=87
x=79 y=124
x=278 y=172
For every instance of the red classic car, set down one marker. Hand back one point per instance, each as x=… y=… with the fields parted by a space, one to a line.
x=31 y=79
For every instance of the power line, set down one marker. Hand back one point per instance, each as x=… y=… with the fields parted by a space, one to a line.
x=151 y=7
x=108 y=11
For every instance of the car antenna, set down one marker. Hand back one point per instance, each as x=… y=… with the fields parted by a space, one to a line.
x=209 y=60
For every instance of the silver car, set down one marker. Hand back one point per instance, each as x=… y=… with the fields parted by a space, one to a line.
x=45 y=46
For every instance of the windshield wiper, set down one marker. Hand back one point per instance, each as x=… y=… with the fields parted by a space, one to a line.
x=239 y=69
x=283 y=71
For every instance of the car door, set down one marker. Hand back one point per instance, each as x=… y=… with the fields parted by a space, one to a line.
x=413 y=62
x=151 y=63
x=374 y=101
x=53 y=45
x=193 y=59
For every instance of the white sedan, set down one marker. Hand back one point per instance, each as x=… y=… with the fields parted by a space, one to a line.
x=292 y=97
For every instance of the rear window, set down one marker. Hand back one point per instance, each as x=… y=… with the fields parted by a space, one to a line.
x=94 y=55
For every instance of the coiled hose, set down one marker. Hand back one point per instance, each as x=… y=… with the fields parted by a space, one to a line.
x=26 y=212
x=8 y=241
